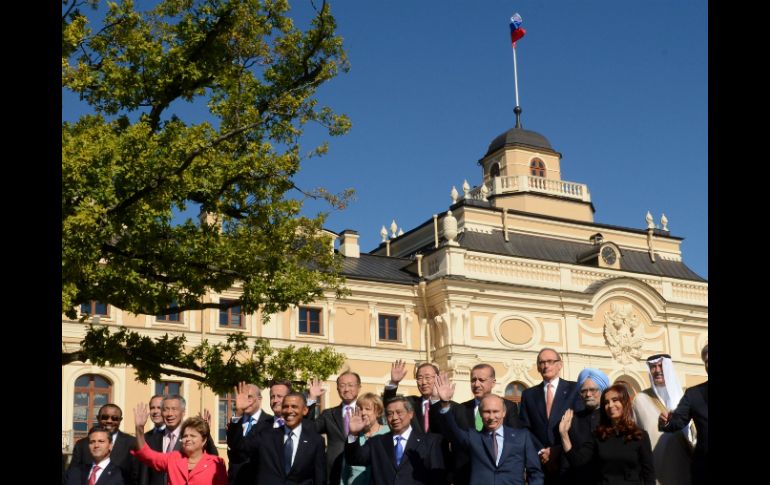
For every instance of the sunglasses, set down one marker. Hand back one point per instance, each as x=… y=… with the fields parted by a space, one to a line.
x=106 y=417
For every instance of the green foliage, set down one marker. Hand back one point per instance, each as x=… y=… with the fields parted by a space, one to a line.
x=218 y=366
x=133 y=160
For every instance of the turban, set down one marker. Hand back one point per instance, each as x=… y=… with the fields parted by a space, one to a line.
x=599 y=377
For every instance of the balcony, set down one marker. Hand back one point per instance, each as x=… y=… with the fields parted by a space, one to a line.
x=528 y=183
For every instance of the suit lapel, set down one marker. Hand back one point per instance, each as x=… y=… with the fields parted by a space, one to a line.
x=488 y=445
x=560 y=400
x=120 y=443
x=470 y=415
x=337 y=417
x=278 y=434
x=390 y=450
x=540 y=402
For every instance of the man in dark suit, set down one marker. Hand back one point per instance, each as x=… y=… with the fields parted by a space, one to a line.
x=467 y=416
x=110 y=416
x=334 y=422
x=592 y=382
x=693 y=405
x=173 y=410
x=290 y=454
x=102 y=470
x=156 y=414
x=425 y=375
x=498 y=454
x=249 y=419
x=404 y=456
x=542 y=407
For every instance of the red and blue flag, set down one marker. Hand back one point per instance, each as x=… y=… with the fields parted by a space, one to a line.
x=516 y=31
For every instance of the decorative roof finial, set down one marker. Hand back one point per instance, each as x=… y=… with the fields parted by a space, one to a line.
x=650 y=223
x=400 y=231
x=393 y=228
x=453 y=194
x=664 y=222
x=517 y=111
x=384 y=234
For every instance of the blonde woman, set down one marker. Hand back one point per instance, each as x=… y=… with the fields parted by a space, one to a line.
x=369 y=406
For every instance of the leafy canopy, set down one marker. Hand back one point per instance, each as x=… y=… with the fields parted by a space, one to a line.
x=133 y=161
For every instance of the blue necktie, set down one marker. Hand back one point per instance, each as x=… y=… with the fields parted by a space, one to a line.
x=249 y=422
x=399 y=450
x=288 y=448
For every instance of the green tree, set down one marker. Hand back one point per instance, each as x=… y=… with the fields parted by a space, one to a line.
x=133 y=161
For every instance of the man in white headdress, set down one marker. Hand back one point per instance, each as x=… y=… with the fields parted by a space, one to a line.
x=672 y=452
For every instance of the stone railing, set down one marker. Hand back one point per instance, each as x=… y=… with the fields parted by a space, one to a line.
x=527 y=183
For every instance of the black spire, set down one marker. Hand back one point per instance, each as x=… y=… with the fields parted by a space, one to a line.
x=517 y=110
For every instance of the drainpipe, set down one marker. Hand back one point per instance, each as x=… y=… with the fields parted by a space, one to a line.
x=422 y=289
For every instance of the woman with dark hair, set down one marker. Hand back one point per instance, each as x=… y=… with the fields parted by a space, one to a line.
x=620 y=451
x=189 y=466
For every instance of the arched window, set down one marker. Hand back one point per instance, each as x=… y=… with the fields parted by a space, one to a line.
x=494 y=170
x=91 y=392
x=537 y=168
x=630 y=384
x=513 y=391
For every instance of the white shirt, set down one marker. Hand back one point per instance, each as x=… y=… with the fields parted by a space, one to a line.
x=167 y=438
x=254 y=420
x=555 y=384
x=499 y=437
x=296 y=432
x=102 y=465
x=352 y=409
x=406 y=434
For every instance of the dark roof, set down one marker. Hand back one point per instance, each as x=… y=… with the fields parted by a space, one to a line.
x=379 y=268
x=520 y=136
x=561 y=251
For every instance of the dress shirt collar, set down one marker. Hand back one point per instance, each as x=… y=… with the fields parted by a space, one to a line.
x=406 y=434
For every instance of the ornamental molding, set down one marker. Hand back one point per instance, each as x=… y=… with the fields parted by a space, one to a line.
x=623 y=330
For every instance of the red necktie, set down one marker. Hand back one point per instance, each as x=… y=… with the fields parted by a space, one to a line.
x=425 y=412
x=549 y=400
x=92 y=478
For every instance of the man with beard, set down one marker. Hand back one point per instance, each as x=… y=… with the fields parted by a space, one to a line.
x=671 y=451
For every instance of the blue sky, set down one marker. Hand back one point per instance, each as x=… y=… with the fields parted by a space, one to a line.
x=620 y=89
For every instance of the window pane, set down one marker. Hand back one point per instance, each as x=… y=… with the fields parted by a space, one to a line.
x=159 y=388
x=80 y=413
x=314 y=327
x=82 y=381
x=223 y=317
x=101 y=382
x=175 y=387
x=303 y=326
x=382 y=328
x=85 y=308
x=236 y=320
x=80 y=427
x=100 y=308
x=100 y=400
x=393 y=333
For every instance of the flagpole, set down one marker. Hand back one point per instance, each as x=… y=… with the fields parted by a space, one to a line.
x=517 y=109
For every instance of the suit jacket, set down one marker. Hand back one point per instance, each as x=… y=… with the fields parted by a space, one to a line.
x=151 y=476
x=111 y=475
x=330 y=422
x=119 y=455
x=421 y=464
x=617 y=461
x=210 y=469
x=517 y=456
x=266 y=450
x=240 y=469
x=418 y=419
x=584 y=423
x=544 y=429
x=465 y=418
x=695 y=405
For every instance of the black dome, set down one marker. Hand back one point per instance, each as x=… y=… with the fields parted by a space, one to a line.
x=520 y=136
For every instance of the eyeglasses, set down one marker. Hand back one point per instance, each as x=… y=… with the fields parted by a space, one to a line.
x=398 y=413
x=107 y=417
x=547 y=362
x=590 y=390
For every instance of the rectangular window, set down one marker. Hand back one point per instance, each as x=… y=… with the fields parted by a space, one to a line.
x=230 y=317
x=309 y=321
x=226 y=410
x=94 y=308
x=171 y=317
x=166 y=388
x=389 y=328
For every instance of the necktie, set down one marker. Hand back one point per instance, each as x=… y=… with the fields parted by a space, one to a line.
x=479 y=422
x=494 y=446
x=347 y=420
x=279 y=422
x=425 y=413
x=549 y=400
x=171 y=443
x=249 y=423
x=288 y=449
x=399 y=450
x=92 y=478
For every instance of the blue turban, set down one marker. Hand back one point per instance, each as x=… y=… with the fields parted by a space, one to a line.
x=599 y=377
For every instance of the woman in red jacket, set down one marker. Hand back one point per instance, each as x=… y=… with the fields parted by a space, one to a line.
x=190 y=466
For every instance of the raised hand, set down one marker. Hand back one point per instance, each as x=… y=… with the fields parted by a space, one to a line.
x=141 y=413
x=566 y=421
x=206 y=417
x=444 y=388
x=315 y=391
x=397 y=371
x=356 y=422
x=242 y=400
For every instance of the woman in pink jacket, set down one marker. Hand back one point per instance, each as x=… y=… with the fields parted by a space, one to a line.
x=191 y=466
